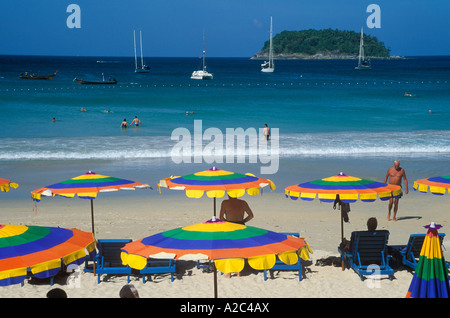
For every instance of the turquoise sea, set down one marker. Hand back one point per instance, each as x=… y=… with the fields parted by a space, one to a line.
x=331 y=118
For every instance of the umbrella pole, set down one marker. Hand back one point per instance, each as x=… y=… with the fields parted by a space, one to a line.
x=93 y=233
x=214 y=206
x=215 y=281
x=92 y=216
x=342 y=236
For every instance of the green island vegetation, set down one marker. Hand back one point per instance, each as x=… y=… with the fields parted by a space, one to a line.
x=326 y=43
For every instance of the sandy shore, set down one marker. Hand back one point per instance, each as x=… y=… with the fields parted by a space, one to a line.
x=136 y=216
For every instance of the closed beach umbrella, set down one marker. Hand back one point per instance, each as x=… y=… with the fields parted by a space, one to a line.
x=436 y=185
x=6 y=184
x=430 y=279
x=349 y=189
x=216 y=183
x=87 y=186
x=227 y=244
x=42 y=250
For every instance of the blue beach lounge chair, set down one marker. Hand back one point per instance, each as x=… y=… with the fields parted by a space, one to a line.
x=410 y=252
x=159 y=266
x=368 y=253
x=108 y=261
x=281 y=266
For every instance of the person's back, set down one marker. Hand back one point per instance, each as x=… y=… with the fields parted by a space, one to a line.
x=372 y=224
x=233 y=210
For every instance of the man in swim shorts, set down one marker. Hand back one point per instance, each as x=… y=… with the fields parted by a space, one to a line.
x=136 y=122
x=395 y=175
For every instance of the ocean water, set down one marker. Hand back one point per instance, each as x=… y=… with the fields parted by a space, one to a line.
x=330 y=117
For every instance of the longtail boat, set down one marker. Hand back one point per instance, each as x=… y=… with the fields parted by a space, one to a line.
x=37 y=77
x=83 y=82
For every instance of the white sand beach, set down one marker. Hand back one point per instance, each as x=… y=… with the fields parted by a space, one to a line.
x=136 y=216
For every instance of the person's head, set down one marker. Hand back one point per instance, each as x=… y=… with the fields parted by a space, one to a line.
x=396 y=164
x=124 y=119
x=135 y=116
x=129 y=291
x=372 y=224
x=56 y=293
x=265 y=125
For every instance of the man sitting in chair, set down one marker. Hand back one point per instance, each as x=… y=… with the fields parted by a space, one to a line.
x=372 y=224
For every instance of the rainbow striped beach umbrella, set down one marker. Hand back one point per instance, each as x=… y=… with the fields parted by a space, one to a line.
x=227 y=244
x=216 y=183
x=349 y=189
x=6 y=184
x=430 y=279
x=87 y=186
x=436 y=185
x=42 y=250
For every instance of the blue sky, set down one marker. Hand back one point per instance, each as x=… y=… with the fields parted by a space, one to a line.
x=233 y=28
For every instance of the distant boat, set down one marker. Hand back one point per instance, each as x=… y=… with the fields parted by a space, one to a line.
x=110 y=82
x=269 y=67
x=36 y=77
x=363 y=64
x=202 y=74
x=143 y=68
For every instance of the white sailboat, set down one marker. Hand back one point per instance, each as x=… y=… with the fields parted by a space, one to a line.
x=202 y=74
x=363 y=64
x=269 y=67
x=143 y=68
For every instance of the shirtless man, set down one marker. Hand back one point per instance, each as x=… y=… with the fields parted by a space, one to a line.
x=233 y=210
x=395 y=175
x=136 y=121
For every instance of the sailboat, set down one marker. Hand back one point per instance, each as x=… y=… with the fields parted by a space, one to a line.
x=202 y=74
x=269 y=67
x=363 y=64
x=143 y=68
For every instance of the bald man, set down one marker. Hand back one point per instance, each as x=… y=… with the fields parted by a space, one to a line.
x=395 y=175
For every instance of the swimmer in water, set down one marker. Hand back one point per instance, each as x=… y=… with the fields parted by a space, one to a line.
x=136 y=121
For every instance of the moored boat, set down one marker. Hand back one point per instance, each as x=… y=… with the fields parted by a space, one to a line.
x=83 y=82
x=37 y=77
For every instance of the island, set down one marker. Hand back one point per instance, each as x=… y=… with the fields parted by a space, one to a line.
x=322 y=44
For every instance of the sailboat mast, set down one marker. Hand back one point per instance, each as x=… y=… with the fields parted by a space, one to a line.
x=204 y=52
x=361 y=48
x=142 y=55
x=270 y=45
x=135 y=57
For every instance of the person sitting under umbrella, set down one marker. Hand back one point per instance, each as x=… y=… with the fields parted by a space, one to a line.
x=234 y=209
x=372 y=224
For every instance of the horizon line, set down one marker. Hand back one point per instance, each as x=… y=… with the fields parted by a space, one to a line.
x=238 y=57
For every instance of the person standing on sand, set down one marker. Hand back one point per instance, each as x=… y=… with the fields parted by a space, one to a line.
x=395 y=175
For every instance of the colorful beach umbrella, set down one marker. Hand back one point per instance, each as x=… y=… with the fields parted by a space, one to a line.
x=87 y=186
x=42 y=250
x=349 y=189
x=430 y=278
x=436 y=185
x=216 y=183
x=227 y=244
x=6 y=184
